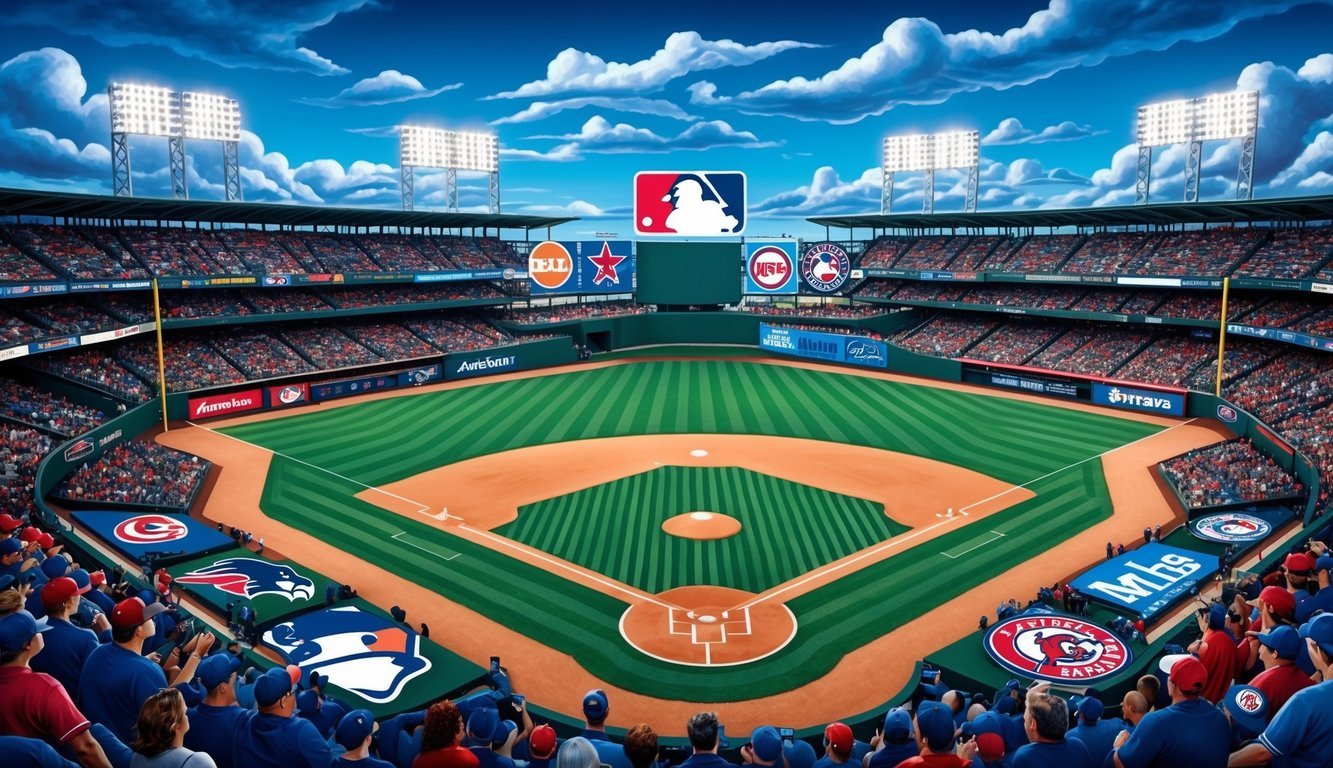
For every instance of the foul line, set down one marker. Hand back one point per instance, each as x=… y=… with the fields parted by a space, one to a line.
x=998 y=536
x=422 y=507
x=423 y=549
x=897 y=540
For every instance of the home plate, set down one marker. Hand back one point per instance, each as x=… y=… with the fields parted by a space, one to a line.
x=698 y=453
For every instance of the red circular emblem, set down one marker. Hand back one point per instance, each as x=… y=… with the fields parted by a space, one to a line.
x=151 y=529
x=1057 y=648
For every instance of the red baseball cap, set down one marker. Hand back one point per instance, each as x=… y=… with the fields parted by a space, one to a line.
x=97 y=578
x=1280 y=600
x=57 y=591
x=46 y=541
x=839 y=737
x=1189 y=675
x=9 y=523
x=542 y=742
x=990 y=746
x=30 y=535
x=131 y=612
x=1298 y=562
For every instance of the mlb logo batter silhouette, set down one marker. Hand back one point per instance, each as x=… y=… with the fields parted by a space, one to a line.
x=689 y=203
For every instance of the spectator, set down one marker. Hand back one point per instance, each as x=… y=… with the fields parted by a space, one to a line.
x=838 y=743
x=273 y=737
x=215 y=720
x=1133 y=707
x=641 y=746
x=935 y=739
x=1216 y=650
x=895 y=742
x=1096 y=733
x=578 y=752
x=161 y=734
x=67 y=646
x=1281 y=679
x=353 y=734
x=705 y=736
x=1322 y=600
x=1190 y=733
x=323 y=712
x=595 y=709
x=1301 y=731
x=441 y=742
x=1045 y=720
x=117 y=678
x=36 y=705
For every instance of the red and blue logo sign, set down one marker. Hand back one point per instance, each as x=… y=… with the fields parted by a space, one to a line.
x=361 y=652
x=151 y=529
x=1061 y=649
x=825 y=267
x=1227 y=413
x=135 y=534
x=689 y=203
x=251 y=577
x=1231 y=526
x=770 y=267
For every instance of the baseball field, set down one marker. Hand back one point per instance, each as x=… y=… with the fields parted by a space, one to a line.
x=579 y=510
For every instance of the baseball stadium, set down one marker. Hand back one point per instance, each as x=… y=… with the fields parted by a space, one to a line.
x=937 y=461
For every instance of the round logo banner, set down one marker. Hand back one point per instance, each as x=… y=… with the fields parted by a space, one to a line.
x=1061 y=649
x=825 y=267
x=1228 y=527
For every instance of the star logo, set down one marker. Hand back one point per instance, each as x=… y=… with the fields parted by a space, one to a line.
x=606 y=263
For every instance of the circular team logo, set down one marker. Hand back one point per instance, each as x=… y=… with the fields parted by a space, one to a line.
x=1231 y=526
x=550 y=265
x=289 y=395
x=825 y=267
x=770 y=268
x=1227 y=413
x=1061 y=649
x=151 y=529
x=1249 y=701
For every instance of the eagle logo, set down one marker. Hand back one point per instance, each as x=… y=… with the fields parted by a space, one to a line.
x=250 y=577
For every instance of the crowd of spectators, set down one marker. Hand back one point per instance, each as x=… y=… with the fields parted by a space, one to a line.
x=262 y=251
x=1290 y=254
x=168 y=251
x=277 y=302
x=453 y=334
x=362 y=296
x=1014 y=342
x=1031 y=297
x=75 y=255
x=931 y=253
x=1105 y=252
x=391 y=340
x=811 y=310
x=1197 y=252
x=883 y=252
x=979 y=250
x=559 y=313
x=41 y=408
x=1102 y=300
x=258 y=355
x=15 y=266
x=190 y=363
x=1275 y=313
x=128 y=307
x=1233 y=472
x=137 y=472
x=335 y=253
x=96 y=367
x=399 y=253
x=185 y=305
x=328 y=348
x=15 y=330
x=1168 y=360
x=1038 y=254
x=945 y=335
x=63 y=317
x=22 y=450
x=838 y=329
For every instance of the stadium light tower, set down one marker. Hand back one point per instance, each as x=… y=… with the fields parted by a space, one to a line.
x=1218 y=116
x=930 y=153
x=423 y=147
x=145 y=110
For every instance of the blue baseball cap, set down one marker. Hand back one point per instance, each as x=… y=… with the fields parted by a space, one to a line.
x=934 y=722
x=988 y=722
x=1217 y=616
x=897 y=726
x=354 y=728
x=192 y=694
x=502 y=732
x=1324 y=563
x=217 y=669
x=1005 y=706
x=17 y=629
x=1248 y=707
x=1091 y=708
x=82 y=579
x=276 y=683
x=798 y=754
x=766 y=743
x=1282 y=640
x=307 y=701
x=1320 y=630
x=55 y=566
x=482 y=724
x=595 y=705
x=10 y=546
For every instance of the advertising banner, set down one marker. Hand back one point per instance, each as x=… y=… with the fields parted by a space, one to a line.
x=1134 y=399
x=291 y=394
x=585 y=266
x=329 y=390
x=1231 y=527
x=225 y=405
x=770 y=267
x=1148 y=580
x=466 y=366
x=167 y=537
x=419 y=376
x=1040 y=386
x=1289 y=337
x=273 y=588
x=825 y=268
x=1058 y=648
x=689 y=203
x=830 y=347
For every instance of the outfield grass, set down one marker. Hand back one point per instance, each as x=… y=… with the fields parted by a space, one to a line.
x=787 y=529
x=387 y=440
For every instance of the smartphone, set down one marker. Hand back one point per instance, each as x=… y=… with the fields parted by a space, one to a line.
x=722 y=737
x=495 y=665
x=518 y=699
x=788 y=735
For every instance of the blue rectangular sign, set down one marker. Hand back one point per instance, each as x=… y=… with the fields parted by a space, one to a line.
x=171 y=537
x=585 y=266
x=467 y=366
x=1148 y=580
x=770 y=267
x=831 y=347
x=347 y=387
x=1134 y=399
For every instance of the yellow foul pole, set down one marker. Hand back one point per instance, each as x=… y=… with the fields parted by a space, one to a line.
x=1222 y=336
x=161 y=359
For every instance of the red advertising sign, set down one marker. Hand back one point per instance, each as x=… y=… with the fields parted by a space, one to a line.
x=291 y=394
x=223 y=405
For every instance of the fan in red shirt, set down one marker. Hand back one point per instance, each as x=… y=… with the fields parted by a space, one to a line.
x=1281 y=679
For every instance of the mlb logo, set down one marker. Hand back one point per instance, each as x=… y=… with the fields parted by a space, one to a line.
x=689 y=203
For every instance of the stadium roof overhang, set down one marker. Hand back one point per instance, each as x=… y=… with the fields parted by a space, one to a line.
x=1289 y=209
x=64 y=205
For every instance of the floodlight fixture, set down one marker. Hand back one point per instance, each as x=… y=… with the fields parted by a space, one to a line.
x=1164 y=123
x=210 y=117
x=930 y=152
x=1233 y=115
x=957 y=149
x=1217 y=116
x=477 y=152
x=911 y=152
x=144 y=110
x=425 y=147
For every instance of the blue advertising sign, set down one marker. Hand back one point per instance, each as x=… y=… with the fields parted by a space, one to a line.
x=419 y=376
x=585 y=266
x=347 y=387
x=1289 y=337
x=171 y=537
x=1148 y=580
x=1133 y=399
x=831 y=347
x=770 y=267
x=481 y=364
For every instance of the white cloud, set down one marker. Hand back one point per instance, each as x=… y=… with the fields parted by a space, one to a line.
x=388 y=87
x=540 y=110
x=1011 y=131
x=683 y=53
x=600 y=136
x=916 y=63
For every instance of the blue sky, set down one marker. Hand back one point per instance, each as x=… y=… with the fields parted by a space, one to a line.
x=583 y=96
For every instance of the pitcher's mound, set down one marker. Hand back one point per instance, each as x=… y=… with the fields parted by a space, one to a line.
x=702 y=525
